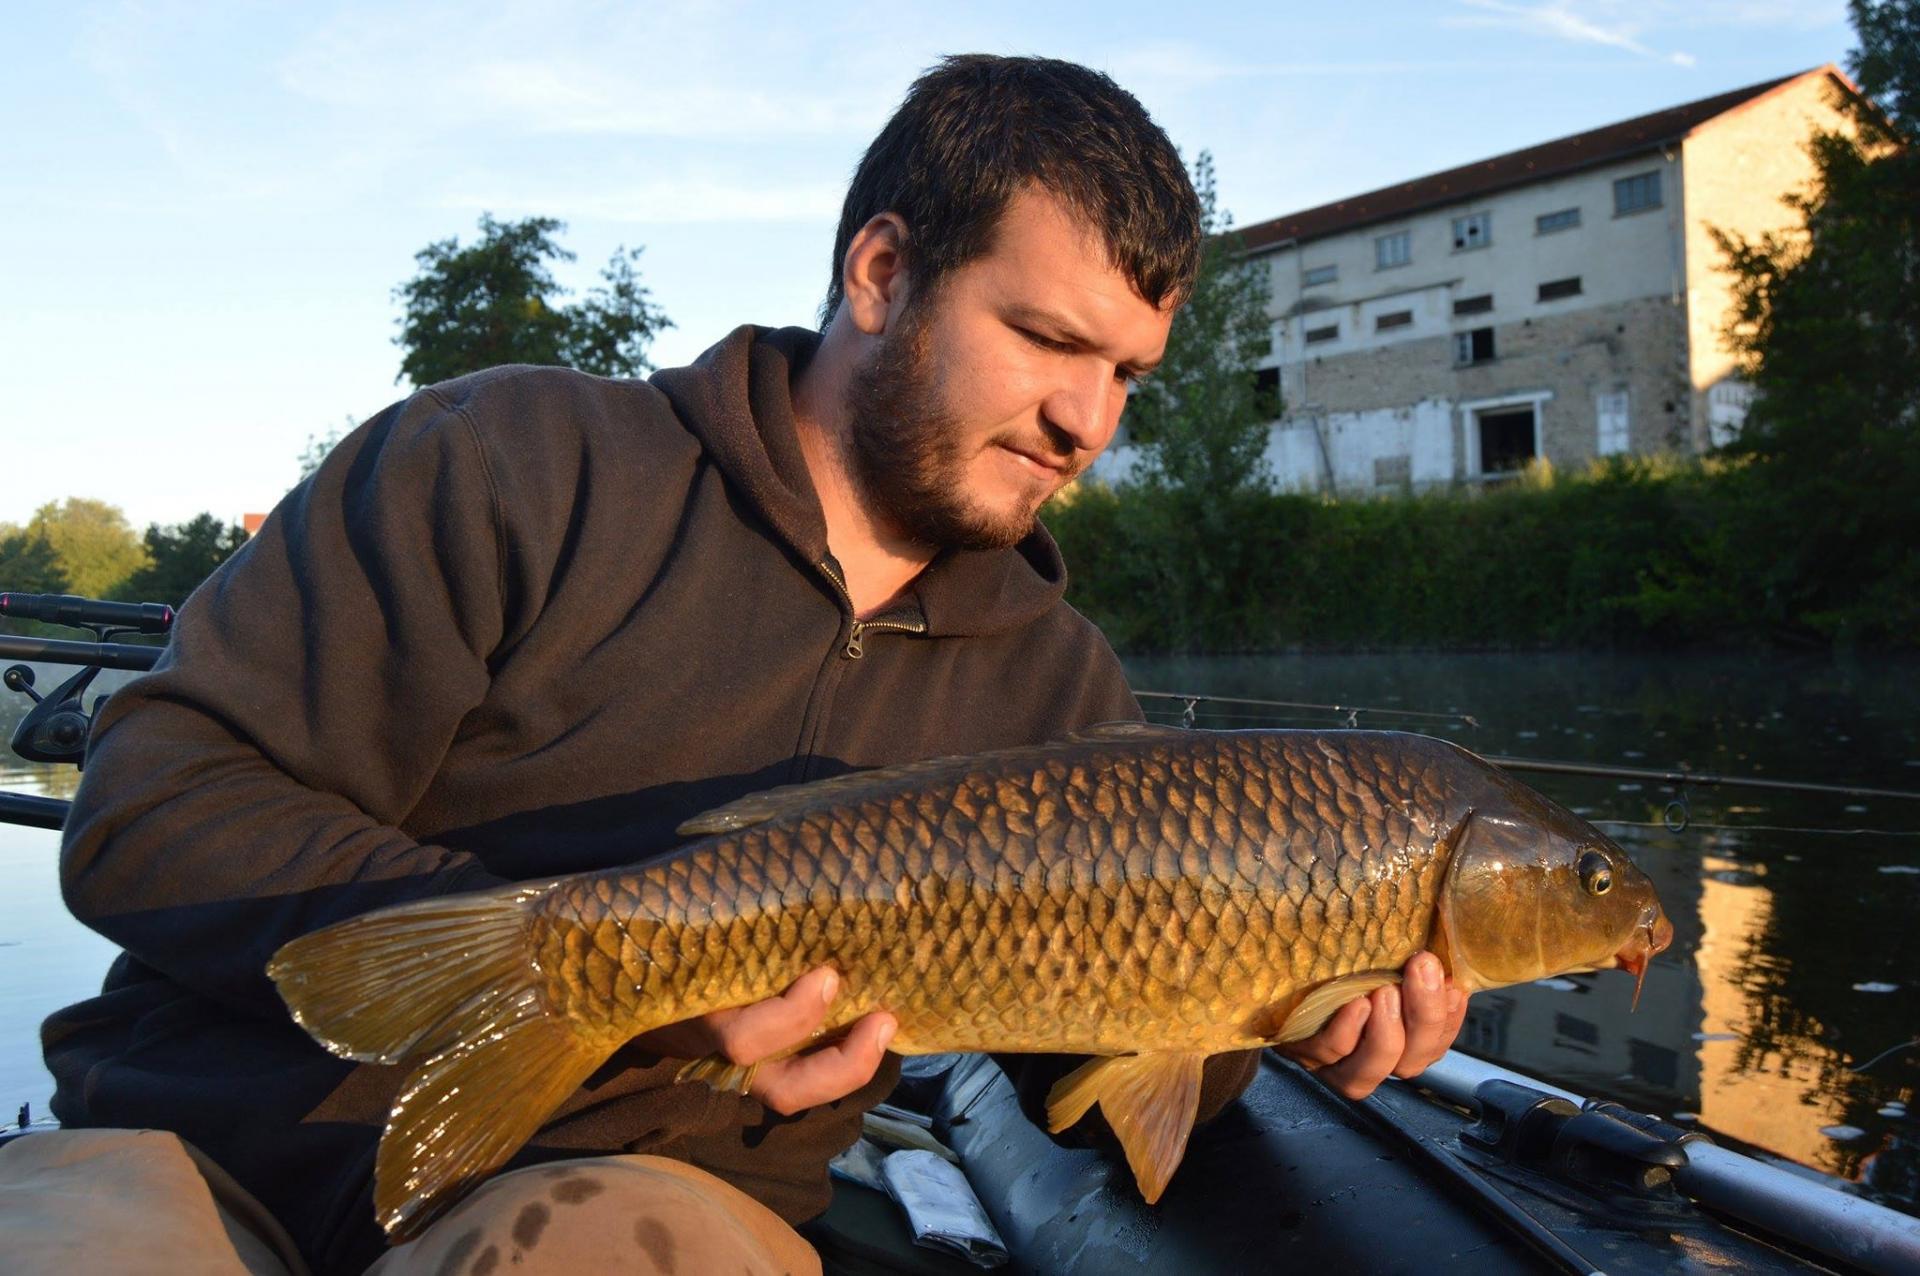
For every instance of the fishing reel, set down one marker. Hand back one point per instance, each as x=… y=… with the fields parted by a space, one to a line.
x=56 y=728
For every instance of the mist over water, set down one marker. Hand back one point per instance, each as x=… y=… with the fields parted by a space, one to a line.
x=1796 y=956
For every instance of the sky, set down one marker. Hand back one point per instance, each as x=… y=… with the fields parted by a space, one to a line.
x=206 y=206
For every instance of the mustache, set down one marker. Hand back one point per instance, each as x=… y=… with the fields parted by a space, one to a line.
x=1054 y=446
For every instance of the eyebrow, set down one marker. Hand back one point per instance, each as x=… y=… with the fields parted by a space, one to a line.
x=1060 y=330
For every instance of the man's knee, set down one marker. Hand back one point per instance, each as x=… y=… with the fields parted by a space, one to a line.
x=618 y=1214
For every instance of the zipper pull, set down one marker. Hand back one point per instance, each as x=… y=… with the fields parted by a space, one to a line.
x=856 y=646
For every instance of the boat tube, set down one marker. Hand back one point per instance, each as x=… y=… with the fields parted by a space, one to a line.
x=1471 y=1168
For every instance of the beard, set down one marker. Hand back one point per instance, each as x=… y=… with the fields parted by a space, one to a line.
x=907 y=450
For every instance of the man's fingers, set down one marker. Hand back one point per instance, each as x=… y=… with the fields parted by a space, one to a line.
x=831 y=1072
x=1336 y=1038
x=1382 y=1043
x=1430 y=1025
x=751 y=1033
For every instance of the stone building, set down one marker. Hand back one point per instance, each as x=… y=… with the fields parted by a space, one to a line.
x=1565 y=301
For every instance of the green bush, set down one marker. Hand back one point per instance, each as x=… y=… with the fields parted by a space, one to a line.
x=1636 y=552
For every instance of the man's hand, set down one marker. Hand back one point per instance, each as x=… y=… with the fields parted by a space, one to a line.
x=1399 y=1029
x=752 y=1034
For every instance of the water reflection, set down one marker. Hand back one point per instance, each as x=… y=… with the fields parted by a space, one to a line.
x=1796 y=955
x=47 y=959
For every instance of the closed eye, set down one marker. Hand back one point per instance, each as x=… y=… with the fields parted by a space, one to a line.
x=1121 y=373
x=1045 y=343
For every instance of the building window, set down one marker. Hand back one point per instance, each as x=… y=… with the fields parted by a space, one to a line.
x=1555 y=289
x=1320 y=275
x=1637 y=193
x=1611 y=408
x=1727 y=406
x=1473 y=347
x=1506 y=439
x=1266 y=392
x=1393 y=250
x=1472 y=231
x=1485 y=1029
x=1548 y=223
x=1393 y=319
x=1474 y=305
x=1316 y=335
x=1576 y=1034
x=1656 y=1065
x=1393 y=471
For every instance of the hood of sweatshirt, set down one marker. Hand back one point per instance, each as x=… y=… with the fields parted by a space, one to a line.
x=737 y=399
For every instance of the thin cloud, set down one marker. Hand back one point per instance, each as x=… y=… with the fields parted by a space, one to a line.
x=1187 y=66
x=519 y=72
x=676 y=200
x=1556 y=19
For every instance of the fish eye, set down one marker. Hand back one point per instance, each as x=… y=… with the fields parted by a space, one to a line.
x=1595 y=873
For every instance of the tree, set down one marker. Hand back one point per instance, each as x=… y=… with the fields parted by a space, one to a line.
x=92 y=543
x=1201 y=419
x=28 y=563
x=180 y=557
x=319 y=445
x=1827 y=323
x=497 y=302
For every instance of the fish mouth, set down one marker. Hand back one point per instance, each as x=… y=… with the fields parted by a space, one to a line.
x=1651 y=937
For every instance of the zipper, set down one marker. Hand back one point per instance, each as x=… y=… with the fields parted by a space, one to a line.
x=855 y=646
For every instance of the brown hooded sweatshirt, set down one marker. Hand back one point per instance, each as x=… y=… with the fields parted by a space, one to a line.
x=519 y=625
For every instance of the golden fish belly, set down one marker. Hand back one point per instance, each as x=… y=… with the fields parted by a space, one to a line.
x=1178 y=896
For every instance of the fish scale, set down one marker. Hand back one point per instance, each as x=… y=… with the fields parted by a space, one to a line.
x=1147 y=896
x=1146 y=922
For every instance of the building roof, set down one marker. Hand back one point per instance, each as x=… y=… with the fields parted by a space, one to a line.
x=1515 y=168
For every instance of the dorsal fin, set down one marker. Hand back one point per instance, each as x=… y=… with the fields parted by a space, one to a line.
x=1126 y=730
x=792 y=799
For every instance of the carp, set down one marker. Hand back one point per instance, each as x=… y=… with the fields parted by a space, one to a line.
x=1145 y=895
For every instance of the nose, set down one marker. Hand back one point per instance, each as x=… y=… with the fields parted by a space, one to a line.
x=1085 y=407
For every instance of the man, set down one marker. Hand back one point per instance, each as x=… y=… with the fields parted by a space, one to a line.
x=525 y=623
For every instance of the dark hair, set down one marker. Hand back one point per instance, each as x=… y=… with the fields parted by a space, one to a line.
x=977 y=128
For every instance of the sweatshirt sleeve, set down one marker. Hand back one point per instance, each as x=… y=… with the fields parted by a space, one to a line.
x=248 y=789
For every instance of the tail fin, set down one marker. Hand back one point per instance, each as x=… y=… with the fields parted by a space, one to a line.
x=453 y=979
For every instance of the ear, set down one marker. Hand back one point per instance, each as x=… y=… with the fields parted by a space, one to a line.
x=874 y=274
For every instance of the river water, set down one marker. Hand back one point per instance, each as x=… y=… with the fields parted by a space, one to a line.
x=1796 y=958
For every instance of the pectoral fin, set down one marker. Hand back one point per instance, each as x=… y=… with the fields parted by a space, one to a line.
x=1149 y=1100
x=1314 y=1009
x=720 y=1072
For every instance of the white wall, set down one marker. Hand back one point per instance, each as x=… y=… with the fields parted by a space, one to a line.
x=1423 y=432
x=1616 y=258
x=1300 y=450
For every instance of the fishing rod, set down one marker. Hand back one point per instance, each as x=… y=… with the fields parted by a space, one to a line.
x=1192 y=701
x=106 y=619
x=1705 y=779
x=56 y=728
x=1676 y=777
x=65 y=651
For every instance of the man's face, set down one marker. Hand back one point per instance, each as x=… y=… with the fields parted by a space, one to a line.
x=985 y=399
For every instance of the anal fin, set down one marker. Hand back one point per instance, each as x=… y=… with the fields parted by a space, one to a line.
x=1313 y=1010
x=1150 y=1101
